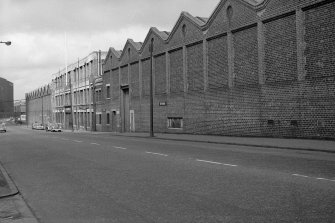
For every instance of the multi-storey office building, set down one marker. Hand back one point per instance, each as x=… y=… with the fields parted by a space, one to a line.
x=38 y=106
x=20 y=110
x=6 y=99
x=72 y=100
x=253 y=68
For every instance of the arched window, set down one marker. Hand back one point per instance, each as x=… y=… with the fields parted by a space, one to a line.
x=183 y=30
x=128 y=53
x=230 y=13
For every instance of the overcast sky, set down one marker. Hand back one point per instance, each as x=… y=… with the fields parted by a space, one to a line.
x=37 y=30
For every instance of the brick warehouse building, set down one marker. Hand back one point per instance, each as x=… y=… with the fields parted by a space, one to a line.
x=6 y=98
x=38 y=106
x=253 y=68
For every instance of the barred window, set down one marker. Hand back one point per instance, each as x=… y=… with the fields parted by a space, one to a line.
x=175 y=122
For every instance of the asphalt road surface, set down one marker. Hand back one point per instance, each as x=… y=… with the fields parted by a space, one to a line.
x=72 y=177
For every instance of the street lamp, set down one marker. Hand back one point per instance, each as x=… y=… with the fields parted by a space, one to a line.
x=151 y=49
x=8 y=43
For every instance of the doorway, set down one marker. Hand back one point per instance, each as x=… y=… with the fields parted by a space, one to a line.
x=125 y=109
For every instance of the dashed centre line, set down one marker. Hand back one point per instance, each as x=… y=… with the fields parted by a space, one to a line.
x=77 y=141
x=159 y=154
x=299 y=175
x=319 y=178
x=93 y=143
x=325 y=179
x=118 y=147
x=212 y=162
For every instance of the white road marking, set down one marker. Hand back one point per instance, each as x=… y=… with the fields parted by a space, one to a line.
x=227 y=164
x=299 y=175
x=117 y=147
x=159 y=154
x=77 y=141
x=93 y=143
x=207 y=161
x=64 y=139
x=325 y=179
x=319 y=178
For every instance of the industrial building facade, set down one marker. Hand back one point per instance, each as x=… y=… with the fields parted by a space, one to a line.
x=6 y=99
x=72 y=92
x=38 y=106
x=253 y=68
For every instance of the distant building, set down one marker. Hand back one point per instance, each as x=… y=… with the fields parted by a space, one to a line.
x=6 y=98
x=72 y=89
x=38 y=106
x=20 y=110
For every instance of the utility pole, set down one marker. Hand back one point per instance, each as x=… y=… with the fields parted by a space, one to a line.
x=85 y=93
x=151 y=91
x=42 y=111
x=78 y=96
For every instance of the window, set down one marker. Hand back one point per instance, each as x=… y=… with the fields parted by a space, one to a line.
x=183 y=30
x=271 y=122
x=175 y=122
x=98 y=95
x=229 y=14
x=99 y=119
x=108 y=91
x=294 y=123
x=108 y=119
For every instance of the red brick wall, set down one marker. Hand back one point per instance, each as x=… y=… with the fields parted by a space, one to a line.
x=246 y=58
x=146 y=78
x=320 y=40
x=160 y=74
x=124 y=75
x=195 y=73
x=134 y=80
x=115 y=86
x=176 y=71
x=280 y=50
x=217 y=62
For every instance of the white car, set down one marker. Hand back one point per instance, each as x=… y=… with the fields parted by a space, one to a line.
x=3 y=128
x=38 y=126
x=55 y=130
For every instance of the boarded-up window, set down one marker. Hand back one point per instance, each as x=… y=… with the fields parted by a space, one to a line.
x=217 y=62
x=176 y=71
x=160 y=74
x=134 y=80
x=246 y=57
x=195 y=74
x=281 y=50
x=115 y=83
x=146 y=77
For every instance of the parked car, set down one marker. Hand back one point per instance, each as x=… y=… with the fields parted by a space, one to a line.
x=38 y=126
x=56 y=130
x=3 y=127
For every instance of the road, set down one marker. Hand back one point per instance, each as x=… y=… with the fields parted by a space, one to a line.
x=83 y=177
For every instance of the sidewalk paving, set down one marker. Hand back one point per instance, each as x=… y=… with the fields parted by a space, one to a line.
x=278 y=143
x=13 y=208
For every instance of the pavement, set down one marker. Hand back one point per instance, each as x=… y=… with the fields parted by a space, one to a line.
x=13 y=209
x=315 y=145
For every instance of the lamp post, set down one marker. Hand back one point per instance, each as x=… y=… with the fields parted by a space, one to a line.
x=151 y=48
x=8 y=43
